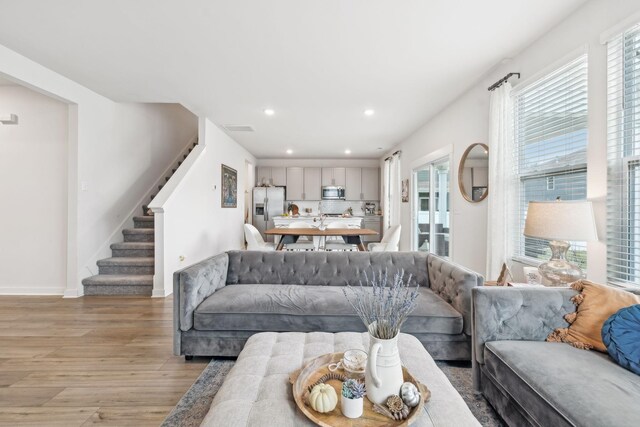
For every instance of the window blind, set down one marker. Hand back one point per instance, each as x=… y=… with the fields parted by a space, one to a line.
x=623 y=156
x=551 y=150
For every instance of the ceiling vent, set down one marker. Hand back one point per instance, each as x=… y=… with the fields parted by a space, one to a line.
x=238 y=128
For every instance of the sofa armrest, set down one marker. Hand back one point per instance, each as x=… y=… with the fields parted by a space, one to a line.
x=453 y=283
x=194 y=284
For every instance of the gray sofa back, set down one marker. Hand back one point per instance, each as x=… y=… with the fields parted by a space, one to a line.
x=322 y=268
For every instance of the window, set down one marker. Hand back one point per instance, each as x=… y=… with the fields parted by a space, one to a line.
x=551 y=150
x=623 y=193
x=551 y=183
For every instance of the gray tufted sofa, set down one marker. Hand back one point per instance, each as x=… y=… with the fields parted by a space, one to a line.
x=531 y=382
x=221 y=301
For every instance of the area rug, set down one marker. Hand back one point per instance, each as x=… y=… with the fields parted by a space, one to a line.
x=194 y=405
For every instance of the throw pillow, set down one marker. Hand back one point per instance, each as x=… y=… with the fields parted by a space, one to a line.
x=595 y=304
x=621 y=336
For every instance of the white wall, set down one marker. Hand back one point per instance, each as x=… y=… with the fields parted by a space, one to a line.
x=465 y=121
x=190 y=224
x=33 y=190
x=118 y=177
x=113 y=153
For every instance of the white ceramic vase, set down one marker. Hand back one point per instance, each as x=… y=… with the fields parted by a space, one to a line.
x=383 y=376
x=351 y=408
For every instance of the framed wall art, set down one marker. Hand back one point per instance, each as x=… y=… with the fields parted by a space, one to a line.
x=229 y=187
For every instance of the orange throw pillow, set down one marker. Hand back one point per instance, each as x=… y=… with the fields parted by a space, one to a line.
x=595 y=304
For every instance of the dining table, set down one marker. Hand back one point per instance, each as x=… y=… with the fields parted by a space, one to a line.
x=350 y=234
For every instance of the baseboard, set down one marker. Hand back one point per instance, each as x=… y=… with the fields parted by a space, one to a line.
x=160 y=293
x=31 y=290
x=72 y=293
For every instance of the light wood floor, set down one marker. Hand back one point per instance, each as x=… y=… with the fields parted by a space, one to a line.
x=90 y=360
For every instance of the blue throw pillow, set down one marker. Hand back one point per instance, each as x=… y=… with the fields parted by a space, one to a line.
x=621 y=336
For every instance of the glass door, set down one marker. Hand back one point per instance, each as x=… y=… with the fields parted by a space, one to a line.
x=422 y=225
x=440 y=221
x=431 y=225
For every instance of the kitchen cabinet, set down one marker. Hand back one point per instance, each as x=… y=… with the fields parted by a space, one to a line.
x=279 y=176
x=312 y=184
x=271 y=175
x=295 y=184
x=353 y=183
x=370 y=184
x=333 y=176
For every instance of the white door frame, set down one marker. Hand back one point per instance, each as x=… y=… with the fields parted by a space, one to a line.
x=422 y=164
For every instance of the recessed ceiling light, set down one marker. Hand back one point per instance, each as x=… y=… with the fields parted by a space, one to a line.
x=269 y=112
x=369 y=112
x=347 y=151
x=289 y=151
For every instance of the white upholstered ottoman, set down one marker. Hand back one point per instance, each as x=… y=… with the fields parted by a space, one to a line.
x=257 y=392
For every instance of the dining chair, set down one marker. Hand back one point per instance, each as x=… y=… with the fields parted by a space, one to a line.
x=255 y=242
x=303 y=243
x=337 y=243
x=389 y=242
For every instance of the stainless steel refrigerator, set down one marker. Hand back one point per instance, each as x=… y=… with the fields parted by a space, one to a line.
x=267 y=203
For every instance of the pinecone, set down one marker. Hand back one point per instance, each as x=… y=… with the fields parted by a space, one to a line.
x=395 y=404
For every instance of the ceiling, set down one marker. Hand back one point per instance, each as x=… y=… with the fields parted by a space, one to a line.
x=318 y=64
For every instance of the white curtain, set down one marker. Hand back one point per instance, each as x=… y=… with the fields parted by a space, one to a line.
x=385 y=193
x=502 y=188
x=395 y=190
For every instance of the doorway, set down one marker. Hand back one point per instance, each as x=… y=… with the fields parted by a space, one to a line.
x=431 y=222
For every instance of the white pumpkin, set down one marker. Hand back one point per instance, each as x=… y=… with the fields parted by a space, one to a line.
x=410 y=394
x=323 y=398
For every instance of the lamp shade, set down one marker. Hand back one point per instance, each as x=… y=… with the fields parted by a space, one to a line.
x=561 y=220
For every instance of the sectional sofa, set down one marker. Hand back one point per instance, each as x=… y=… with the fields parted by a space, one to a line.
x=531 y=382
x=223 y=300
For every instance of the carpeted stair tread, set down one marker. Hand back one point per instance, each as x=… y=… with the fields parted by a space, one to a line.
x=146 y=261
x=119 y=279
x=133 y=245
x=138 y=231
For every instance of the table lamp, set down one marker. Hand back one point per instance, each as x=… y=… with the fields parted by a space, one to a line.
x=560 y=221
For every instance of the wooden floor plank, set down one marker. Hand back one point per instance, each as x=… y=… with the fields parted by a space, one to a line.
x=121 y=416
x=81 y=363
x=39 y=416
x=108 y=379
x=31 y=396
x=115 y=396
x=9 y=352
x=90 y=360
x=10 y=378
x=112 y=351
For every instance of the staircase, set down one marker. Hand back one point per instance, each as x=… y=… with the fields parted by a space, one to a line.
x=130 y=269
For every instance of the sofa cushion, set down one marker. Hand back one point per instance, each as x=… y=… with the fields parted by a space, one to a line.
x=309 y=308
x=621 y=336
x=595 y=304
x=558 y=385
x=321 y=268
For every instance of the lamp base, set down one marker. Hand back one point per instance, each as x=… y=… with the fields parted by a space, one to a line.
x=558 y=271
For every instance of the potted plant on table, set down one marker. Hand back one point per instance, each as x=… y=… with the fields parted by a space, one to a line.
x=383 y=305
x=352 y=398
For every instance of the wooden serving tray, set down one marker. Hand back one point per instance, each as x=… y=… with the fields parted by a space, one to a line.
x=316 y=368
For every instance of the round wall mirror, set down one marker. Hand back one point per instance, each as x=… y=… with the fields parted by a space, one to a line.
x=473 y=173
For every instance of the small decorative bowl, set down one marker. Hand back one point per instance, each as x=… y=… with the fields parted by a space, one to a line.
x=353 y=362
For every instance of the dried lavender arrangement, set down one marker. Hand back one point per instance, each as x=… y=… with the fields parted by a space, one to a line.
x=383 y=306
